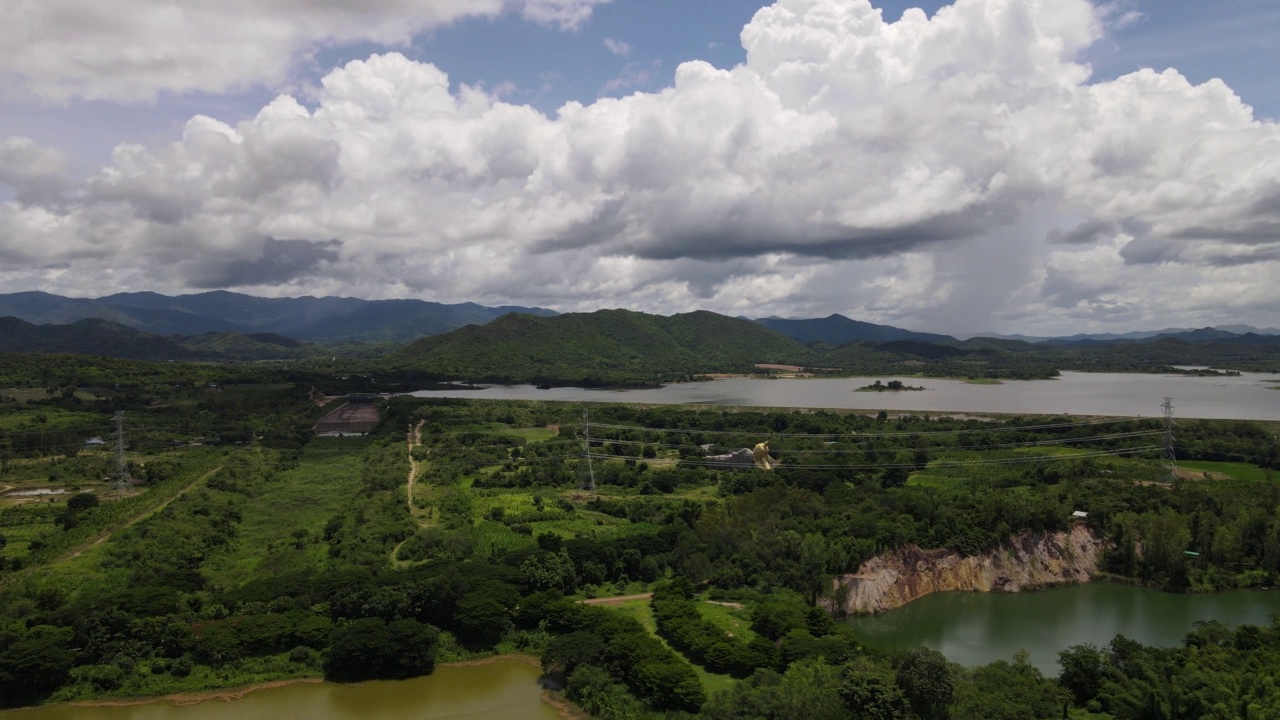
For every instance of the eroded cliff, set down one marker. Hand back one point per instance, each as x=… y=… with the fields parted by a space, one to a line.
x=1026 y=561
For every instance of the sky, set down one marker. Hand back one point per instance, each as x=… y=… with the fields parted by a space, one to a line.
x=1014 y=166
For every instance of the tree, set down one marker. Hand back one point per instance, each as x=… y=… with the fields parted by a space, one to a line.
x=1082 y=671
x=565 y=653
x=82 y=501
x=925 y=678
x=33 y=664
x=481 y=620
x=371 y=649
x=871 y=693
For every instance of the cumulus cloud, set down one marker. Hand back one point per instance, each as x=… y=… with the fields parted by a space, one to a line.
x=35 y=173
x=960 y=167
x=135 y=49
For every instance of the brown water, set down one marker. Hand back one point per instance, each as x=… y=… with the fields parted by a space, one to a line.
x=507 y=690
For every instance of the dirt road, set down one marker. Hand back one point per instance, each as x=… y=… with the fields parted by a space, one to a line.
x=137 y=518
x=616 y=600
x=106 y=535
x=415 y=439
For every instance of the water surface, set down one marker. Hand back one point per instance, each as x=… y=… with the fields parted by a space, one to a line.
x=1251 y=396
x=507 y=690
x=973 y=628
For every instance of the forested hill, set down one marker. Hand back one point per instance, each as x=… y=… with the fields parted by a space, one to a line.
x=88 y=337
x=104 y=338
x=603 y=347
x=840 y=330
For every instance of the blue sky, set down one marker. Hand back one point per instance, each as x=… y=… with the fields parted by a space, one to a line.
x=1013 y=194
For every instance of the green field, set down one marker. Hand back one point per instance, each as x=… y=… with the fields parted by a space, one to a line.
x=1233 y=470
x=643 y=613
x=300 y=499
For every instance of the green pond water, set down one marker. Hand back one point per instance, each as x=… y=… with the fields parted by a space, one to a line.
x=506 y=690
x=979 y=628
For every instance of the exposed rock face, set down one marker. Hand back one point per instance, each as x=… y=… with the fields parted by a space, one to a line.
x=1026 y=561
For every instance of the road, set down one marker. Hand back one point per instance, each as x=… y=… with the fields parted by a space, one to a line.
x=616 y=600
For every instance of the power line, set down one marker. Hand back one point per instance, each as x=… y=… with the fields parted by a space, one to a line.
x=930 y=465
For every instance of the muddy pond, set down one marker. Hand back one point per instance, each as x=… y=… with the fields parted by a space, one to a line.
x=507 y=689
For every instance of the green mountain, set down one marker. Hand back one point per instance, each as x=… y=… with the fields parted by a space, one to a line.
x=840 y=330
x=88 y=337
x=600 y=348
x=110 y=339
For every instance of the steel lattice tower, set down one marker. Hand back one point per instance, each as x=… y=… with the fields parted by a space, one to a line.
x=1169 y=455
x=122 y=481
x=590 y=485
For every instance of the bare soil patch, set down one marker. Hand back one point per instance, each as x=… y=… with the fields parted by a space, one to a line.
x=617 y=600
x=350 y=419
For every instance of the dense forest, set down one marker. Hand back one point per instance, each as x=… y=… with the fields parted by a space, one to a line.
x=253 y=550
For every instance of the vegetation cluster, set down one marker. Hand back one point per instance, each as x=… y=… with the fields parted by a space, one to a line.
x=255 y=551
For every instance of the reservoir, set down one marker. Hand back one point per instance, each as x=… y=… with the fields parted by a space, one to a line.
x=1251 y=396
x=979 y=628
x=505 y=689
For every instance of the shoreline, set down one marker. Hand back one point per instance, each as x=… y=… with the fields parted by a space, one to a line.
x=195 y=697
x=563 y=706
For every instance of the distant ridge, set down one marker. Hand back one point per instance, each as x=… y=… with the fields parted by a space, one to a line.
x=839 y=330
x=94 y=336
x=1225 y=332
x=325 y=319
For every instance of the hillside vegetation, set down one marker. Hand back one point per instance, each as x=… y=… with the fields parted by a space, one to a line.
x=601 y=348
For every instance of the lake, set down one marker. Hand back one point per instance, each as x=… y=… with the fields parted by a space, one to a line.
x=1251 y=396
x=505 y=689
x=979 y=628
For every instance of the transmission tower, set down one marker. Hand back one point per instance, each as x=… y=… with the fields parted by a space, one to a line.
x=122 y=481
x=1169 y=454
x=590 y=484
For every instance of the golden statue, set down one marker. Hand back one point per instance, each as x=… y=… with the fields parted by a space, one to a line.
x=761 y=454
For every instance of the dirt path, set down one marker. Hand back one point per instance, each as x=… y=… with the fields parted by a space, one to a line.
x=137 y=518
x=104 y=536
x=616 y=600
x=415 y=439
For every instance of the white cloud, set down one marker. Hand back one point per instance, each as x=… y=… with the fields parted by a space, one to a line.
x=617 y=47
x=931 y=172
x=133 y=50
x=35 y=173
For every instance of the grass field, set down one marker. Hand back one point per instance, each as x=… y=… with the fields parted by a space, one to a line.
x=1237 y=471
x=640 y=610
x=735 y=620
x=305 y=497
x=40 y=418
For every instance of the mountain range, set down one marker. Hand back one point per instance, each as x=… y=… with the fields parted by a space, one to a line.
x=321 y=320
x=604 y=347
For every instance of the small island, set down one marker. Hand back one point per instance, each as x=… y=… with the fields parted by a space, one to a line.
x=891 y=386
